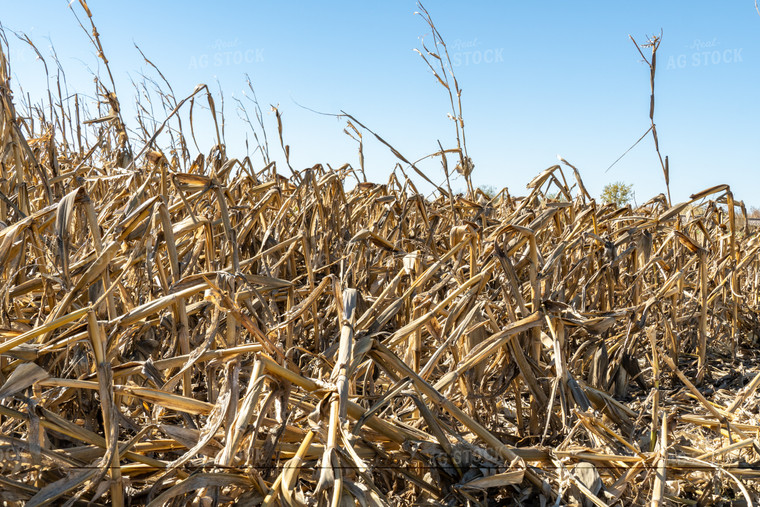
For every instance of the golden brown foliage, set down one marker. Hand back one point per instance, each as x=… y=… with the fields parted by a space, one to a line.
x=177 y=331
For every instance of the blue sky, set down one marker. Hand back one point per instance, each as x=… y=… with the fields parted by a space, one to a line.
x=539 y=79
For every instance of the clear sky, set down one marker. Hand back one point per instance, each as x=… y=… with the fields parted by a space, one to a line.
x=539 y=79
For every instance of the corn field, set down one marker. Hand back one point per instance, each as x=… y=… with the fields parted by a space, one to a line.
x=204 y=330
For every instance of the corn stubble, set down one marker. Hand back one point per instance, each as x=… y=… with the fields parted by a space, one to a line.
x=178 y=331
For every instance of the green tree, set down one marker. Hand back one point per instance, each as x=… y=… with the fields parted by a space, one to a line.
x=489 y=190
x=617 y=193
x=556 y=196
